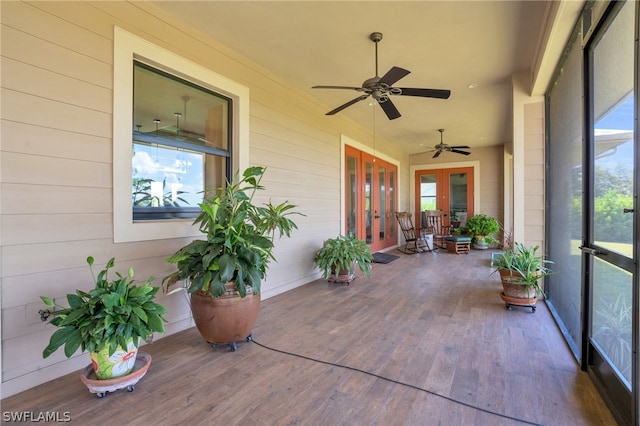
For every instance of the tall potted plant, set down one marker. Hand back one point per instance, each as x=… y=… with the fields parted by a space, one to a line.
x=482 y=228
x=338 y=257
x=521 y=268
x=108 y=321
x=223 y=272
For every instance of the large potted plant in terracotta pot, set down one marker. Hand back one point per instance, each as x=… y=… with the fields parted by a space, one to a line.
x=223 y=272
x=108 y=321
x=521 y=268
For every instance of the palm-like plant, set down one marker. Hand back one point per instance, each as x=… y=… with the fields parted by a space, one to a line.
x=524 y=264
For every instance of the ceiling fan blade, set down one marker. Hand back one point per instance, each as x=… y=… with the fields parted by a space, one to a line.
x=425 y=93
x=436 y=154
x=348 y=104
x=390 y=109
x=460 y=146
x=393 y=75
x=460 y=152
x=337 y=87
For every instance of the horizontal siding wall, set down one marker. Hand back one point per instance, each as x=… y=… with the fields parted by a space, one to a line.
x=534 y=175
x=56 y=196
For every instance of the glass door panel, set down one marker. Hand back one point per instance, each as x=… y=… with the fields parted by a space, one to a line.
x=381 y=213
x=351 y=192
x=391 y=215
x=368 y=200
x=611 y=324
x=458 y=194
x=428 y=191
x=609 y=243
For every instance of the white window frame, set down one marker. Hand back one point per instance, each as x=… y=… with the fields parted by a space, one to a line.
x=128 y=46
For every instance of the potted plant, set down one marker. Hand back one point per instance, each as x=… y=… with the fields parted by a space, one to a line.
x=521 y=269
x=107 y=321
x=338 y=256
x=223 y=272
x=482 y=228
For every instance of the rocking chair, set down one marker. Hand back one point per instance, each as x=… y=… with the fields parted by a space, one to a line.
x=416 y=240
x=433 y=223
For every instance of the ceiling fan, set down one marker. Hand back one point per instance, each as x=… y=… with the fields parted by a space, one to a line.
x=381 y=87
x=443 y=147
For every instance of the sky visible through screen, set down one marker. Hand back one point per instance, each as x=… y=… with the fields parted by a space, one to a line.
x=620 y=119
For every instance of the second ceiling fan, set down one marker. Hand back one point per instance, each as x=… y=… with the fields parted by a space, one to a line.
x=443 y=147
x=380 y=88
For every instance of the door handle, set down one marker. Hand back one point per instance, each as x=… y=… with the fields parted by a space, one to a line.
x=591 y=251
x=627 y=210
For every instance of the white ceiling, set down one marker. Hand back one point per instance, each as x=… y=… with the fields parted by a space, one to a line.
x=445 y=45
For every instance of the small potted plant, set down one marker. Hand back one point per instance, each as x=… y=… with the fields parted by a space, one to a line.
x=338 y=256
x=482 y=228
x=108 y=321
x=521 y=269
x=223 y=272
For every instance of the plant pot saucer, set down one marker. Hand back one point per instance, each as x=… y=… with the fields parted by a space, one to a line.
x=516 y=301
x=101 y=387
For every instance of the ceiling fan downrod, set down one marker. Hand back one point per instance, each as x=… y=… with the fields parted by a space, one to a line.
x=376 y=37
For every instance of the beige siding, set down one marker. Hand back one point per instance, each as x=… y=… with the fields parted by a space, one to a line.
x=56 y=165
x=534 y=182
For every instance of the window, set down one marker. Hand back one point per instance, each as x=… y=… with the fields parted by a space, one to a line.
x=178 y=128
x=180 y=144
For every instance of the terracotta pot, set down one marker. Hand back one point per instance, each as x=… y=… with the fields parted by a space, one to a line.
x=226 y=319
x=517 y=290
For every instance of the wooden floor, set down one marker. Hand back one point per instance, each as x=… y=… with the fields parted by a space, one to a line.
x=425 y=341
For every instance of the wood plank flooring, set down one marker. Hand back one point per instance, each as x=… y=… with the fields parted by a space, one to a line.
x=425 y=341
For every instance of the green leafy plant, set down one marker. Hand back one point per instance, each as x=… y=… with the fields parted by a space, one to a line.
x=482 y=228
x=524 y=264
x=239 y=239
x=342 y=254
x=112 y=313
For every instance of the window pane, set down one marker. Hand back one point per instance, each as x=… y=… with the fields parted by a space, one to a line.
x=180 y=148
x=428 y=192
x=166 y=176
x=175 y=109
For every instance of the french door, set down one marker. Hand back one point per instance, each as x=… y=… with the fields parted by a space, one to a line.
x=371 y=199
x=609 y=248
x=448 y=190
